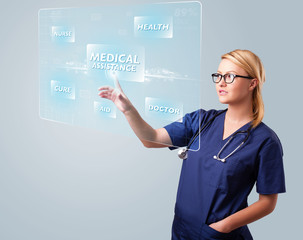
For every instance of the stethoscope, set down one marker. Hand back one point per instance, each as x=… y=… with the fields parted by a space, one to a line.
x=183 y=152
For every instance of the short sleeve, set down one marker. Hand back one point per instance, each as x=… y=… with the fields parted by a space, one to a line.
x=271 y=178
x=182 y=132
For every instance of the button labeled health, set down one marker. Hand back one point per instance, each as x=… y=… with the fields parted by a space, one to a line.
x=153 y=26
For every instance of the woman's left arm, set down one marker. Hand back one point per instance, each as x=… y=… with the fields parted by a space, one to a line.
x=264 y=206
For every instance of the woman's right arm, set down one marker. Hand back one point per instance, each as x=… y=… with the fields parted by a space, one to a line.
x=150 y=137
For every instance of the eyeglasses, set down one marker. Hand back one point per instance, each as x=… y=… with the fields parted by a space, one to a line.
x=228 y=77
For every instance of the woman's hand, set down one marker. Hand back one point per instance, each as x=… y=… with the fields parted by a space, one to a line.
x=116 y=95
x=150 y=137
x=220 y=226
x=264 y=206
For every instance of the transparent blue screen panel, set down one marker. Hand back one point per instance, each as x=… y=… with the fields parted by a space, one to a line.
x=152 y=50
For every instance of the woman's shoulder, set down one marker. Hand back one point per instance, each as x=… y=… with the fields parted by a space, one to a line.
x=266 y=135
x=204 y=114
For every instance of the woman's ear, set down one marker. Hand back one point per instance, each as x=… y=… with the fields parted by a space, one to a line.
x=254 y=82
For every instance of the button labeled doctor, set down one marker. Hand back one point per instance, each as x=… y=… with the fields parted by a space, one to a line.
x=164 y=109
x=161 y=109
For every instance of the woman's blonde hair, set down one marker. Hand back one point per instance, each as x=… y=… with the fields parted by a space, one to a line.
x=252 y=64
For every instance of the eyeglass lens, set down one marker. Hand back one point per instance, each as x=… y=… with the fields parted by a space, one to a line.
x=229 y=78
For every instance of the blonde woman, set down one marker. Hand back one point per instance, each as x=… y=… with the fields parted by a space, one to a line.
x=236 y=150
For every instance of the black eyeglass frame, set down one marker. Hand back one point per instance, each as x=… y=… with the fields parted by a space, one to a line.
x=224 y=77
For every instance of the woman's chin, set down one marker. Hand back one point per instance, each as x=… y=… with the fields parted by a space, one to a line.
x=223 y=101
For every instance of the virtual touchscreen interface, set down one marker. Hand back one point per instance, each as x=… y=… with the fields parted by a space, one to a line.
x=149 y=52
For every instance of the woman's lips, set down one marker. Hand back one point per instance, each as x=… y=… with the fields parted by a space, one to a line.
x=222 y=92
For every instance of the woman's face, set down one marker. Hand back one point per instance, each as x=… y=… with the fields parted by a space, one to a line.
x=239 y=90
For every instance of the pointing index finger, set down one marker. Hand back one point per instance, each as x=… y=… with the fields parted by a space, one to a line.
x=104 y=88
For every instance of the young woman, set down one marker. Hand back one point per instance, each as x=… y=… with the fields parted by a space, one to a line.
x=236 y=150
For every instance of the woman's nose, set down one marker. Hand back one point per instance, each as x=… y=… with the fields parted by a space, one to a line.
x=222 y=83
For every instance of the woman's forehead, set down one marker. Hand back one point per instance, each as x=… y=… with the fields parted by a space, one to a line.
x=228 y=66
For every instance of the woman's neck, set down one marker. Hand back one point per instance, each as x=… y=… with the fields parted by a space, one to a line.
x=239 y=113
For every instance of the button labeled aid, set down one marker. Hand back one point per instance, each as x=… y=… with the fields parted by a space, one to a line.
x=162 y=109
x=62 y=90
x=105 y=108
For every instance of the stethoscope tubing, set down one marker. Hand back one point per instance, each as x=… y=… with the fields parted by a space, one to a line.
x=182 y=153
x=204 y=126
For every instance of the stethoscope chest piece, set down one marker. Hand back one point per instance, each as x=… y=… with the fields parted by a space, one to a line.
x=182 y=153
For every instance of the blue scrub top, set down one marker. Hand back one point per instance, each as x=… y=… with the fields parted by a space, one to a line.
x=210 y=190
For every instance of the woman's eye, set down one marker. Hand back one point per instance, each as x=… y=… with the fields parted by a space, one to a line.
x=230 y=76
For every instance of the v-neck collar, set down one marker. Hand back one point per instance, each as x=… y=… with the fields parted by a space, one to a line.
x=222 y=128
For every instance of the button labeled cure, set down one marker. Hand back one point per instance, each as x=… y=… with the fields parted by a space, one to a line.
x=62 y=90
x=163 y=109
